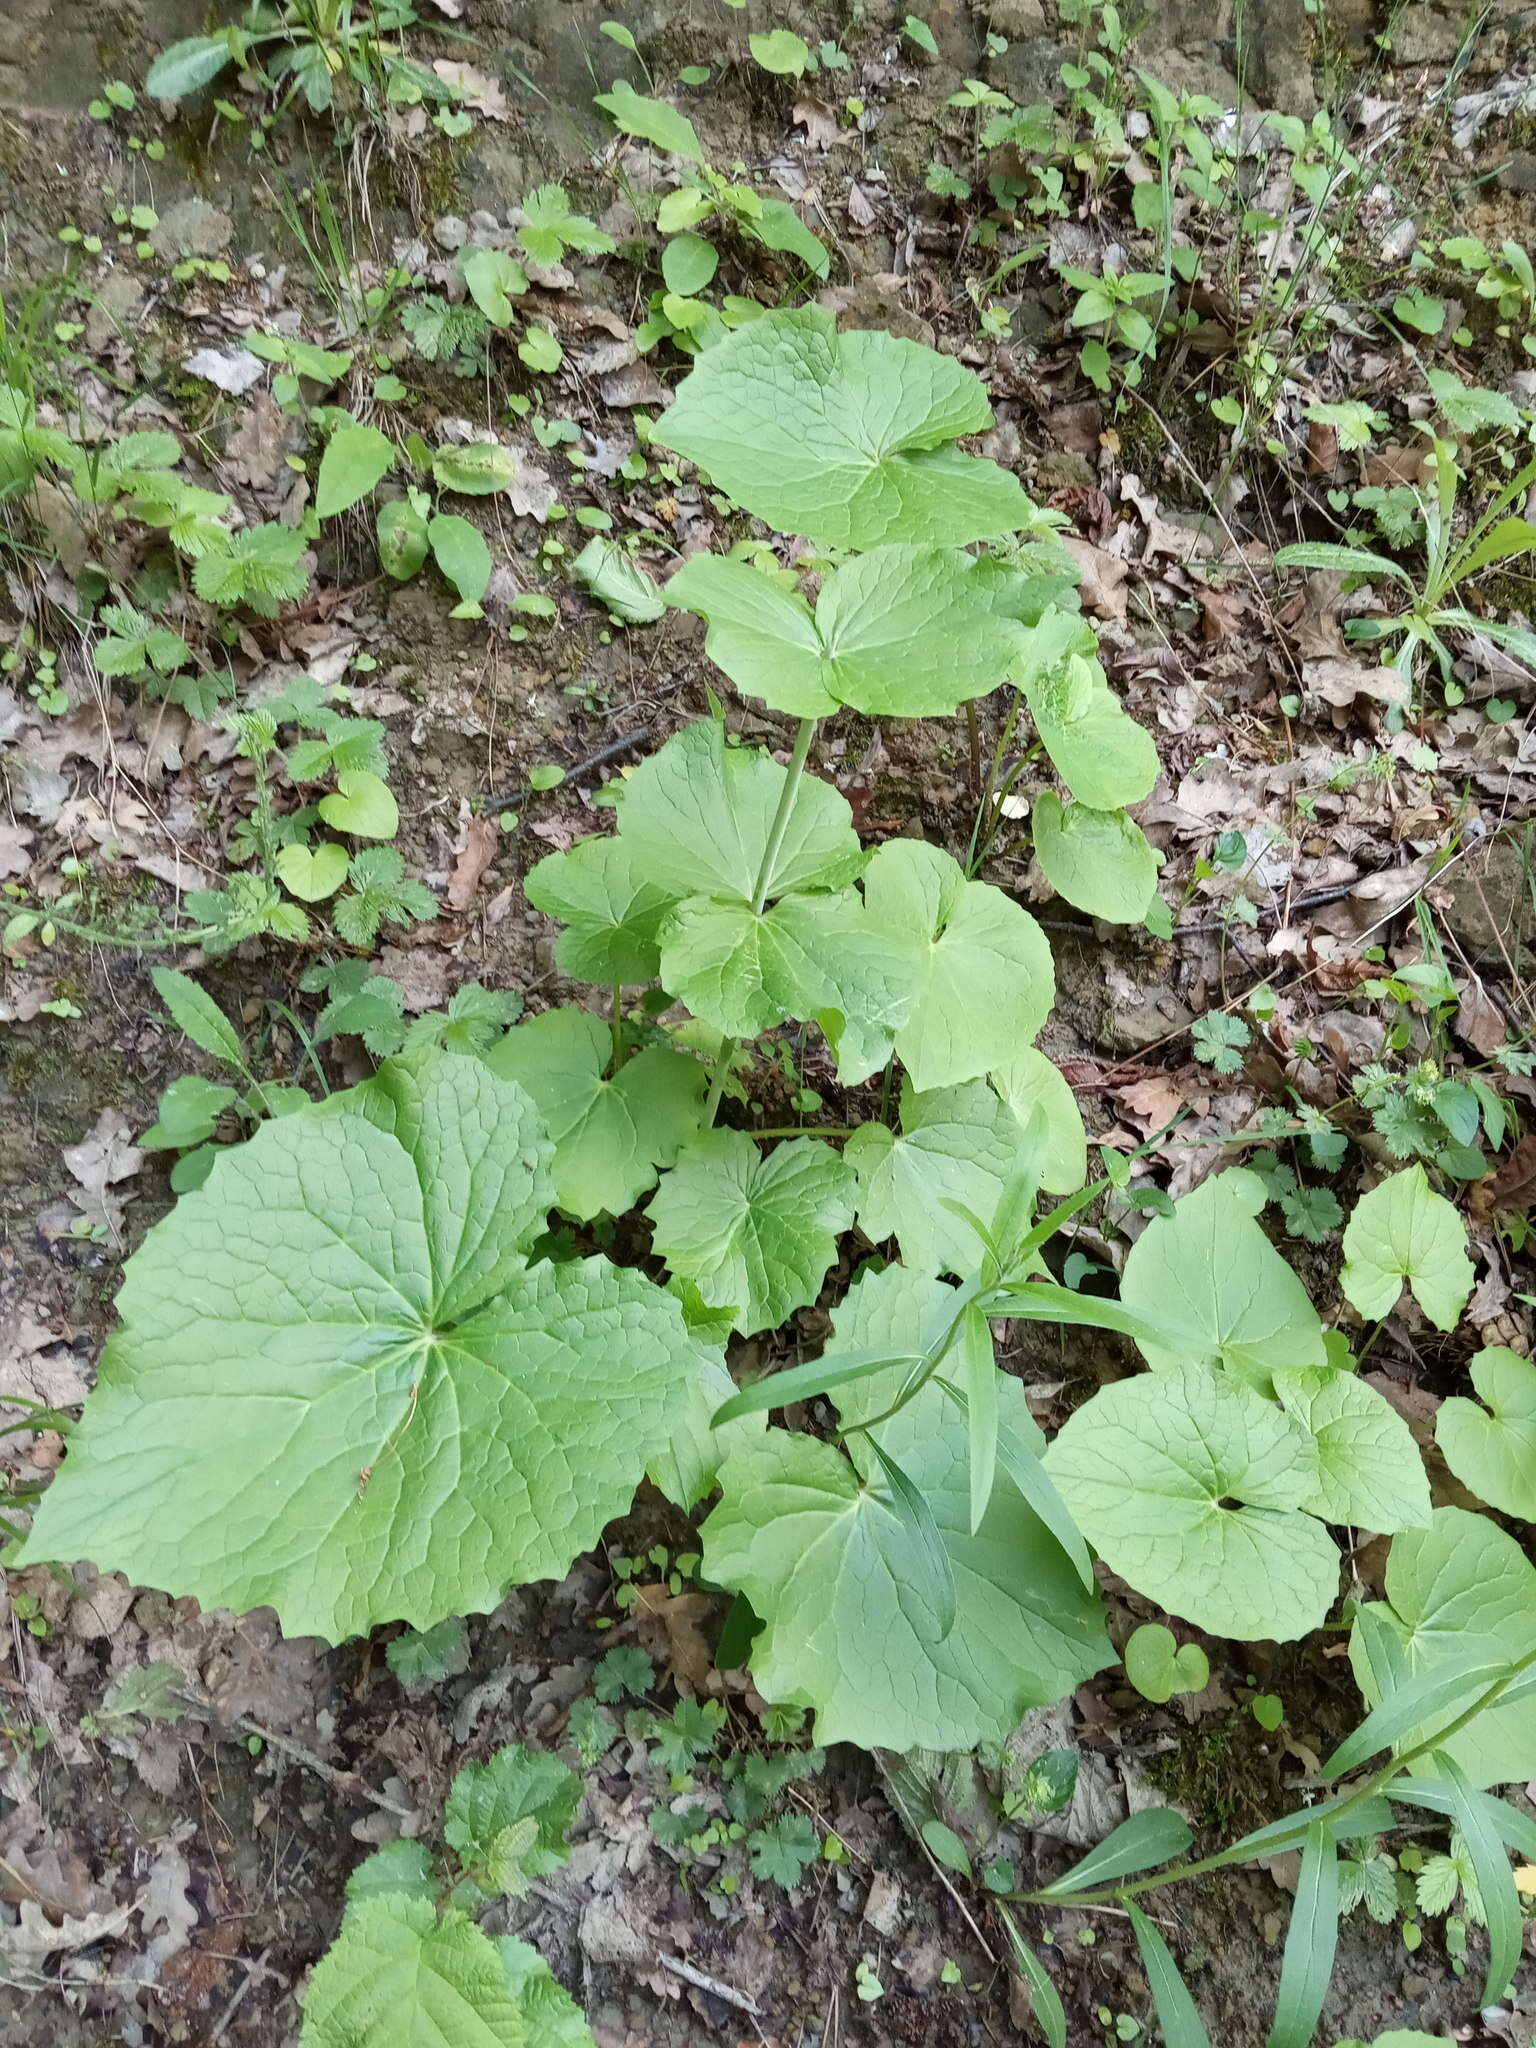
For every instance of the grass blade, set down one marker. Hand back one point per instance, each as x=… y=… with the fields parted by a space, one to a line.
x=1043 y=1995
x=981 y=1409
x=916 y=1517
x=1176 y=2014
x=800 y=1382
x=1311 y=1943
x=1145 y=1839
x=1408 y=1708
x=1495 y=1879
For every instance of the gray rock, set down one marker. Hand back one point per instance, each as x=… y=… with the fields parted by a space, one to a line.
x=192 y=228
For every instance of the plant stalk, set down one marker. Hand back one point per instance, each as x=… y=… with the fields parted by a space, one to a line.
x=776 y=831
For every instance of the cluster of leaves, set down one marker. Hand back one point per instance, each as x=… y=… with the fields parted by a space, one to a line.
x=410 y=1962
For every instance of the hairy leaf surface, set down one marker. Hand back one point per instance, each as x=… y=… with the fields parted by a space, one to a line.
x=397 y=1976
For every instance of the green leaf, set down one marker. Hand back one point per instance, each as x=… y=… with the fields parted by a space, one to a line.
x=1402 y=1230
x=742 y=971
x=610 y=1135
x=977 y=965
x=516 y=1785
x=1415 y=1704
x=652 y=121
x=1099 y=860
x=260 y=567
x=1311 y=1942
x=784 y=1849
x=956 y=1145
x=189 y=1110
x=781 y=51
x=384 y=895
x=1190 y=1486
x=1159 y=1666
x=400 y=533
x=1369 y=1472
x=1460 y=1594
x=1214 y=1287
x=1155 y=1835
x=1044 y=1998
x=1493 y=1449
x=397 y=1976
x=696 y=817
x=754 y=1233
x=1034 y=1087
x=364 y=806
x=1176 y=2013
x=494 y=279
x=612 y=915
x=474 y=468
x=540 y=350
x=424 y=1656
x=194 y=1012
x=437 y=1418
x=916 y=30
x=550 y=2014
x=689 y=1468
x=1312 y=554
x=833 y=1570
x=1099 y=751
x=189 y=65
x=843 y=437
x=355 y=458
x=688 y=263
x=618 y=582
x=901 y=631
x=398 y=1867
x=778 y=227
x=460 y=550
x=1495 y=1884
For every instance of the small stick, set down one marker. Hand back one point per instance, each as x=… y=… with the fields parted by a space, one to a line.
x=712 y=1985
x=621 y=745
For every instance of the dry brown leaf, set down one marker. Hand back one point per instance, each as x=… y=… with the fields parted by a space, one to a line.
x=101 y=1161
x=670 y=1623
x=476 y=89
x=1339 y=683
x=35 y=1938
x=256 y=449
x=1479 y=1020
x=481 y=839
x=1513 y=1187
x=860 y=211
x=818 y=121
x=1153 y=1102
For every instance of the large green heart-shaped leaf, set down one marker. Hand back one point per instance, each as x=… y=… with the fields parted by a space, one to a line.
x=610 y=1135
x=1040 y=1096
x=1402 y=1230
x=832 y=1567
x=397 y=1976
x=1209 y=1278
x=1369 y=1472
x=339 y=1389
x=903 y=632
x=612 y=913
x=1098 y=860
x=1099 y=751
x=843 y=437
x=697 y=816
x=1191 y=1488
x=956 y=1145
x=977 y=965
x=752 y=1233
x=1493 y=1449
x=1459 y=1593
x=355 y=459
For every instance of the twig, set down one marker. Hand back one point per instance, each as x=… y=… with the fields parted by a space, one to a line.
x=251 y=1972
x=712 y=1985
x=1314 y=901
x=341 y=1781
x=621 y=745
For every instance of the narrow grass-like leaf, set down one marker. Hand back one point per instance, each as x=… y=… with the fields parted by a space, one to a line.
x=1408 y=1708
x=1495 y=1881
x=1043 y=1301
x=1438 y=1797
x=1043 y=1995
x=1024 y=1468
x=199 y=1016
x=1176 y=2014
x=981 y=1411
x=909 y=1505
x=1370 y=1817
x=800 y=1382
x=1146 y=1839
x=1310 y=1943
x=1310 y=554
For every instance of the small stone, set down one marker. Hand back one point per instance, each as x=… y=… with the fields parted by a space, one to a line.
x=449 y=232
x=192 y=228
x=1519 y=174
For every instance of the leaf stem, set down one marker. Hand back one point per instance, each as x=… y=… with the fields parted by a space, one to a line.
x=618 y=1030
x=805 y=733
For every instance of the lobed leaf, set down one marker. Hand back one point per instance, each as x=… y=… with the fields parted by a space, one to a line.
x=1402 y=1230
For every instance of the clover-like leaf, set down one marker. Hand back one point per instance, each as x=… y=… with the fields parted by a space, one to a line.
x=1159 y=1666
x=757 y=1234
x=1098 y=860
x=697 y=816
x=1460 y=1593
x=1402 y=1230
x=832 y=1567
x=977 y=966
x=1369 y=1472
x=904 y=632
x=339 y=1390
x=1191 y=1488
x=610 y=1134
x=1041 y=1097
x=1492 y=1449
x=956 y=1145
x=611 y=912
x=1211 y=1281
x=847 y=438
x=1099 y=751
x=397 y=1976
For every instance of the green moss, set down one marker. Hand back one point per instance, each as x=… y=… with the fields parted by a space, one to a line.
x=1212 y=1773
